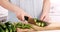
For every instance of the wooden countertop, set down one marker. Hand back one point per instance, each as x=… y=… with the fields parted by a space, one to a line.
x=52 y=26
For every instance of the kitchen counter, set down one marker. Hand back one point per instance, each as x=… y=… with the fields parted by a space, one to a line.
x=53 y=27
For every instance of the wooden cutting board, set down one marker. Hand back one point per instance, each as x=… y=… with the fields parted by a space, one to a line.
x=52 y=26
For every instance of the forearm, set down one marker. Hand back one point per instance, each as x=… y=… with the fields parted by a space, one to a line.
x=9 y=6
x=46 y=7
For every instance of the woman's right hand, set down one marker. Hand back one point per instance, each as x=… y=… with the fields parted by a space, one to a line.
x=11 y=7
x=20 y=15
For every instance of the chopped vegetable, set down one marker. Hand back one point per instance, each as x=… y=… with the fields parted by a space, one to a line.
x=23 y=26
x=11 y=27
x=6 y=30
x=40 y=23
x=1 y=29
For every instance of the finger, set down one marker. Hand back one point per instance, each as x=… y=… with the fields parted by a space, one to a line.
x=46 y=18
x=42 y=18
x=20 y=17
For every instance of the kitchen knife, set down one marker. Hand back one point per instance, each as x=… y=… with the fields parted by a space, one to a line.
x=30 y=20
x=37 y=22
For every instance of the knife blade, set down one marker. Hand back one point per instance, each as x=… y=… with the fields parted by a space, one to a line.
x=30 y=20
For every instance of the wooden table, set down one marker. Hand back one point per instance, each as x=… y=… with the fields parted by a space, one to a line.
x=52 y=26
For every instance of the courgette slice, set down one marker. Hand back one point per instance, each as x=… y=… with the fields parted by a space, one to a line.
x=40 y=22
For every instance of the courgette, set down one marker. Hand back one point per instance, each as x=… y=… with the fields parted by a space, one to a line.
x=40 y=22
x=1 y=29
x=6 y=30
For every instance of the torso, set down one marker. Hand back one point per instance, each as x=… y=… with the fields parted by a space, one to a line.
x=32 y=7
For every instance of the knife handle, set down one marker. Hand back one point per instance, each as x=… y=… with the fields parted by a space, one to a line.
x=26 y=18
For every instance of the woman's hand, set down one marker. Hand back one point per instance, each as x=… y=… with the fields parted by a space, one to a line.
x=11 y=7
x=44 y=17
x=46 y=9
x=20 y=15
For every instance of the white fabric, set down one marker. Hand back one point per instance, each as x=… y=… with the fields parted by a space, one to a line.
x=55 y=10
x=3 y=12
x=32 y=7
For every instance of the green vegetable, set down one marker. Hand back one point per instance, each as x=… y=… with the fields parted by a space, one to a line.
x=23 y=26
x=13 y=28
x=19 y=25
x=27 y=26
x=9 y=26
x=2 y=25
x=35 y=19
x=1 y=30
x=40 y=23
x=6 y=30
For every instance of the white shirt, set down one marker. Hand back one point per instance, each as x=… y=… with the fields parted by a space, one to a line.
x=55 y=10
x=32 y=7
x=3 y=13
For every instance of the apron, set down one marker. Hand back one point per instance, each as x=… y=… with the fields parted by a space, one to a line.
x=32 y=7
x=3 y=14
x=55 y=10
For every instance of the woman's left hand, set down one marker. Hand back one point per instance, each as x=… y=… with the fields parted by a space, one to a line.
x=44 y=17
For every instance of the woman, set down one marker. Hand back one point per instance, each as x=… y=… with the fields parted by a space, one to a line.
x=20 y=12
x=32 y=7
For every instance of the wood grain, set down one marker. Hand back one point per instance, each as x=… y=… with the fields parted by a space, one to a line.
x=52 y=26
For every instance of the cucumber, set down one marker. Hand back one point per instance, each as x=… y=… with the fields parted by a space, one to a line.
x=42 y=25
x=13 y=28
x=1 y=29
x=40 y=22
x=9 y=26
x=6 y=30
x=10 y=30
x=27 y=26
x=23 y=26
x=2 y=25
x=19 y=25
x=35 y=19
